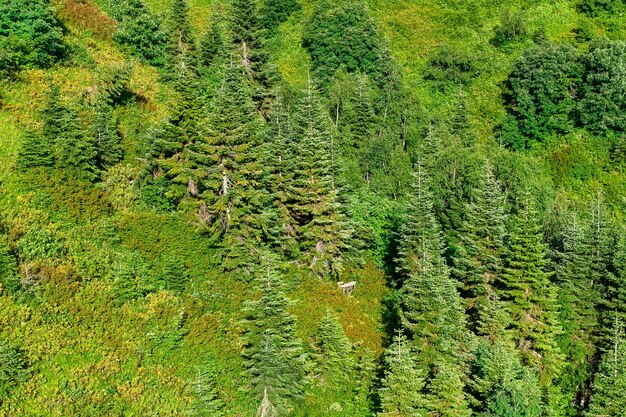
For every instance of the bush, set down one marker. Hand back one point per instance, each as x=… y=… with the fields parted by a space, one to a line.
x=30 y=35
x=541 y=94
x=341 y=33
x=449 y=66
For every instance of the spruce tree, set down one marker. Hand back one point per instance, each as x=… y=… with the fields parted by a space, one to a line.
x=401 y=393
x=181 y=39
x=529 y=295
x=274 y=355
x=175 y=275
x=312 y=193
x=9 y=277
x=36 y=151
x=609 y=384
x=106 y=137
x=212 y=44
x=13 y=369
x=577 y=313
x=76 y=150
x=478 y=261
x=222 y=171
x=207 y=402
x=274 y=12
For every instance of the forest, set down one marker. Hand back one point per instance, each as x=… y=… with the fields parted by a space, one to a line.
x=350 y=208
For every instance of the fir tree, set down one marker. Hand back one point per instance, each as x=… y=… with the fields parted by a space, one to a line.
x=36 y=151
x=274 y=12
x=106 y=137
x=577 y=313
x=609 y=383
x=13 y=369
x=212 y=44
x=179 y=29
x=207 y=402
x=76 y=151
x=9 y=277
x=273 y=353
x=223 y=173
x=403 y=383
x=312 y=194
x=478 y=261
x=529 y=295
x=175 y=275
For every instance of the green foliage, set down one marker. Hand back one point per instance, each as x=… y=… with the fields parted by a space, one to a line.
x=175 y=275
x=529 y=295
x=13 y=369
x=603 y=102
x=402 y=385
x=512 y=28
x=36 y=151
x=275 y=358
x=107 y=140
x=478 y=262
x=8 y=267
x=541 y=94
x=212 y=44
x=140 y=30
x=450 y=67
x=30 y=35
x=274 y=12
x=610 y=380
x=207 y=401
x=326 y=36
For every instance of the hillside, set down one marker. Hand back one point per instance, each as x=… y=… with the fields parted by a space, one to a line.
x=183 y=183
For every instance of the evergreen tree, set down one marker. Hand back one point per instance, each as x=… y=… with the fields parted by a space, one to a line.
x=501 y=386
x=478 y=261
x=36 y=151
x=53 y=114
x=13 y=369
x=529 y=295
x=401 y=393
x=76 y=151
x=577 y=313
x=106 y=137
x=207 y=402
x=179 y=29
x=312 y=194
x=609 y=383
x=175 y=275
x=273 y=353
x=9 y=277
x=223 y=173
x=212 y=44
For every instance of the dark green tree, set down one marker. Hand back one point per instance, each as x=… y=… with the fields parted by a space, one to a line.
x=275 y=358
x=212 y=44
x=401 y=393
x=76 y=150
x=222 y=171
x=529 y=295
x=313 y=193
x=541 y=93
x=8 y=267
x=107 y=140
x=207 y=402
x=13 y=368
x=30 y=35
x=609 y=383
x=36 y=151
x=603 y=103
x=325 y=38
x=175 y=275
x=274 y=12
x=478 y=261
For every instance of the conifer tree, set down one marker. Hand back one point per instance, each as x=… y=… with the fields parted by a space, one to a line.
x=274 y=12
x=175 y=275
x=274 y=355
x=529 y=295
x=478 y=261
x=8 y=267
x=181 y=38
x=13 y=369
x=401 y=393
x=36 y=151
x=312 y=195
x=207 y=402
x=577 y=313
x=106 y=137
x=609 y=383
x=222 y=171
x=76 y=150
x=212 y=44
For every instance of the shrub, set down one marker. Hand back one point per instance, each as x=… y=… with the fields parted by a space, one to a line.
x=30 y=35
